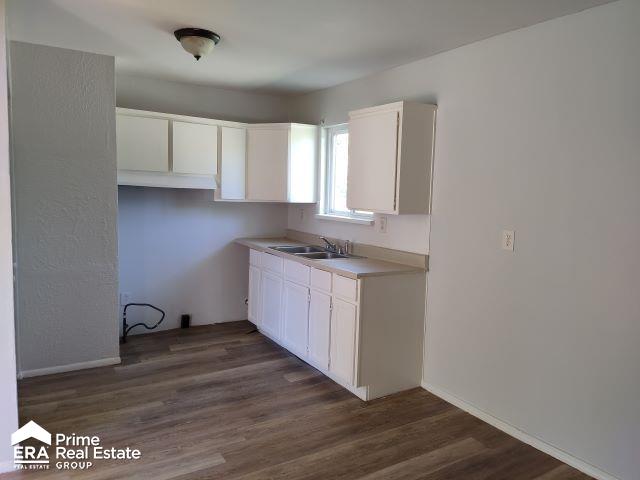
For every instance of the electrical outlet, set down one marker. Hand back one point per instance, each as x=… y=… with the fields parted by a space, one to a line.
x=125 y=298
x=508 y=239
x=302 y=214
x=382 y=223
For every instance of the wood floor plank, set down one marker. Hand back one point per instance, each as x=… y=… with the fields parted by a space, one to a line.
x=219 y=402
x=417 y=467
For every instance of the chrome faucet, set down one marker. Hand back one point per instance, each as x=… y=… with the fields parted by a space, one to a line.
x=345 y=248
x=331 y=247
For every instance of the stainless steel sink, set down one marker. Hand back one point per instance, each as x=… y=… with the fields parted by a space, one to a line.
x=321 y=255
x=300 y=249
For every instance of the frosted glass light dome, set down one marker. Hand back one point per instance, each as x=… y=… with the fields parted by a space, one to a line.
x=197 y=41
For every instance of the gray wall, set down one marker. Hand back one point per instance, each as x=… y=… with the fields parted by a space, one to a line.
x=201 y=101
x=538 y=131
x=8 y=394
x=64 y=160
x=176 y=246
x=177 y=252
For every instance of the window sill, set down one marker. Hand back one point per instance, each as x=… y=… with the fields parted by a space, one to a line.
x=339 y=218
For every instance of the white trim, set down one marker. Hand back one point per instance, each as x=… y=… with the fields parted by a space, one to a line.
x=541 y=445
x=340 y=218
x=325 y=210
x=389 y=107
x=166 y=180
x=103 y=362
x=180 y=118
x=330 y=132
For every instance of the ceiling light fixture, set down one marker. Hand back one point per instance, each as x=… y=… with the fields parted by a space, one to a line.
x=197 y=41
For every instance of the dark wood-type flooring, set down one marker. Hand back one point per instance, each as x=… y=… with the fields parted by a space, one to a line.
x=215 y=402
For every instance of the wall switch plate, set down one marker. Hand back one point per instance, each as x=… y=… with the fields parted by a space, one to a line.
x=508 y=239
x=382 y=223
x=125 y=298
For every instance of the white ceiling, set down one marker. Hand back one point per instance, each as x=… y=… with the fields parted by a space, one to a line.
x=284 y=46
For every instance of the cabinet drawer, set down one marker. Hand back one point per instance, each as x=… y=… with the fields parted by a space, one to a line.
x=346 y=288
x=272 y=263
x=296 y=272
x=254 y=258
x=321 y=280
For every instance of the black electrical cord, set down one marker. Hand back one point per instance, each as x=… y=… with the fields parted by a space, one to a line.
x=126 y=328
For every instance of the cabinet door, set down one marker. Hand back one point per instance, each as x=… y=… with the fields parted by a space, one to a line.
x=271 y=304
x=254 y=295
x=344 y=321
x=142 y=143
x=373 y=152
x=233 y=162
x=267 y=159
x=195 y=148
x=319 y=329
x=302 y=164
x=296 y=318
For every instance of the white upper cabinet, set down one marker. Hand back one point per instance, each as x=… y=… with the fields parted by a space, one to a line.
x=273 y=162
x=195 y=148
x=164 y=150
x=371 y=175
x=233 y=163
x=267 y=158
x=390 y=158
x=281 y=163
x=142 y=143
x=302 y=168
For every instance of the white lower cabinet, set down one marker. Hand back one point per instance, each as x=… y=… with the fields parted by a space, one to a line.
x=254 y=295
x=342 y=352
x=295 y=324
x=365 y=334
x=319 y=329
x=271 y=303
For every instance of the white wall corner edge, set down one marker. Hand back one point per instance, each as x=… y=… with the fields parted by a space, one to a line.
x=541 y=445
x=6 y=467
x=102 y=362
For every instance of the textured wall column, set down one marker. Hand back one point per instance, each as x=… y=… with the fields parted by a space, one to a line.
x=64 y=159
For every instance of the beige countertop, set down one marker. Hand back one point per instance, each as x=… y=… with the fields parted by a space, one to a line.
x=355 y=267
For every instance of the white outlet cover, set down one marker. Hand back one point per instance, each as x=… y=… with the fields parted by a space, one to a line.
x=125 y=298
x=382 y=224
x=508 y=239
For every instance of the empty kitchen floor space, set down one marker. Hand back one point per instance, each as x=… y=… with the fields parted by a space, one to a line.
x=221 y=402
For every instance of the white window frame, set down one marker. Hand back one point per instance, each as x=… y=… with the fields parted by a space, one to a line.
x=326 y=211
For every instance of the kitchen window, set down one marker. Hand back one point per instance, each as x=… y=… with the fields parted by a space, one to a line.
x=333 y=205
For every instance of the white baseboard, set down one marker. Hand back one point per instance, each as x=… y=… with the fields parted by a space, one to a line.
x=541 y=445
x=103 y=362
